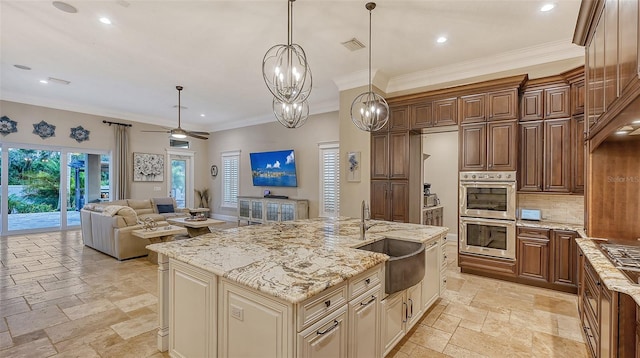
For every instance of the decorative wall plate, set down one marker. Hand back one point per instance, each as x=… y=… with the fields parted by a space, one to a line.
x=214 y=170
x=80 y=134
x=44 y=129
x=7 y=126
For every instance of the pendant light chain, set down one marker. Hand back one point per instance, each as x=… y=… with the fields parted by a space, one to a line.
x=370 y=45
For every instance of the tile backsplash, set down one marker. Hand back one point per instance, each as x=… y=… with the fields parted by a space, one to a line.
x=568 y=209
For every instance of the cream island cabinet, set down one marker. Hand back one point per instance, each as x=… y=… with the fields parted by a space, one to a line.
x=294 y=289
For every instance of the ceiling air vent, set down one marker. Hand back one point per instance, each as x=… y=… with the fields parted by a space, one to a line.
x=353 y=45
x=58 y=81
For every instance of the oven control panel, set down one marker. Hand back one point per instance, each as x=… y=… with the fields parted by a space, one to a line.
x=488 y=176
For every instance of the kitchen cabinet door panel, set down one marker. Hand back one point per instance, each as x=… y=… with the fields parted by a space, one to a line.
x=564 y=266
x=502 y=105
x=502 y=151
x=398 y=119
x=532 y=106
x=557 y=137
x=610 y=52
x=628 y=41
x=533 y=258
x=577 y=97
x=578 y=154
x=399 y=155
x=445 y=112
x=472 y=108
x=380 y=205
x=557 y=103
x=473 y=154
x=380 y=156
x=399 y=200
x=531 y=156
x=421 y=115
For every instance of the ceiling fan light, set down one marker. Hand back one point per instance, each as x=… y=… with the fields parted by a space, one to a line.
x=178 y=133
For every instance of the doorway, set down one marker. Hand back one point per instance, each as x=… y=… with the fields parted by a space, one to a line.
x=181 y=186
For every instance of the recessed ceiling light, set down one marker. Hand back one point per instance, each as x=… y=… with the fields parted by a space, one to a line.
x=44 y=81
x=637 y=121
x=63 y=6
x=105 y=20
x=621 y=132
x=22 y=67
x=547 y=7
x=202 y=115
x=441 y=39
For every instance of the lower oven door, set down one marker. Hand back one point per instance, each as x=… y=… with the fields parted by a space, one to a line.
x=488 y=237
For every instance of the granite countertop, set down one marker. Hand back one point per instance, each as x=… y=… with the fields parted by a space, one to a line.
x=610 y=275
x=292 y=260
x=579 y=228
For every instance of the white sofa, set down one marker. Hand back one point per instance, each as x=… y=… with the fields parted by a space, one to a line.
x=107 y=227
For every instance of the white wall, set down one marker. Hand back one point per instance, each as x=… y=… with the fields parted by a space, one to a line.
x=441 y=170
x=273 y=136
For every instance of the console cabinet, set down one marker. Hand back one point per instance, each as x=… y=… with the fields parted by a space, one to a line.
x=255 y=209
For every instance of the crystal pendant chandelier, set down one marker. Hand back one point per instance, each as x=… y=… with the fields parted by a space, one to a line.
x=286 y=71
x=291 y=115
x=369 y=110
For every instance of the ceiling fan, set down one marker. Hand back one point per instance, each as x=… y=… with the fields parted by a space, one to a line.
x=179 y=133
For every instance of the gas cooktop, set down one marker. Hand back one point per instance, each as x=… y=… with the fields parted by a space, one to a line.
x=626 y=258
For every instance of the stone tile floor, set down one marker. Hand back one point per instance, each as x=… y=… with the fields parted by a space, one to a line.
x=61 y=299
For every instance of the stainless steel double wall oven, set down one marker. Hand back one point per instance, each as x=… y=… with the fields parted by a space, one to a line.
x=488 y=213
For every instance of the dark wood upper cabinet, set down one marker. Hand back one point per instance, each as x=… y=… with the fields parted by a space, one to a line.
x=556 y=104
x=577 y=97
x=628 y=43
x=532 y=106
x=399 y=155
x=502 y=105
x=557 y=139
x=380 y=156
x=531 y=156
x=578 y=149
x=445 y=112
x=421 y=115
x=473 y=147
x=611 y=52
x=398 y=119
x=502 y=149
x=472 y=108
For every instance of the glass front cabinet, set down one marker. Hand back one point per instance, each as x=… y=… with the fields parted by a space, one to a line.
x=260 y=210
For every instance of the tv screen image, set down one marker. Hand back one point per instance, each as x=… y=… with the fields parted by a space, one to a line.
x=274 y=168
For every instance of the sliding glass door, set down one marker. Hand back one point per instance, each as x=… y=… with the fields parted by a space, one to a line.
x=44 y=188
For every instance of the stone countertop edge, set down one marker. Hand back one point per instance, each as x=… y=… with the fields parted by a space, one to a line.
x=292 y=261
x=579 y=228
x=612 y=278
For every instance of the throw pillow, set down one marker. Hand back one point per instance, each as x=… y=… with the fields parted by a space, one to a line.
x=165 y=208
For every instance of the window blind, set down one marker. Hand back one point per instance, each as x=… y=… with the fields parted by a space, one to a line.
x=330 y=182
x=230 y=179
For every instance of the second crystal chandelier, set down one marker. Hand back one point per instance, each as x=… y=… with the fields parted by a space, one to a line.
x=287 y=75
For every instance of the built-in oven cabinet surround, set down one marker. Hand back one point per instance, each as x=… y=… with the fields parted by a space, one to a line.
x=488 y=195
x=488 y=237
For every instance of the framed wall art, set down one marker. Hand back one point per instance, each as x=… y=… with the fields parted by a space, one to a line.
x=148 y=167
x=353 y=166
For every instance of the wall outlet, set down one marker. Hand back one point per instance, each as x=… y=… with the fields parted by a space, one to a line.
x=237 y=312
x=156 y=188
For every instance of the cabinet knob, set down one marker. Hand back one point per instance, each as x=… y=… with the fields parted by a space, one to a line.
x=327 y=303
x=367 y=281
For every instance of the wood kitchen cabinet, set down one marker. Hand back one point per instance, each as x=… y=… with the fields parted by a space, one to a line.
x=398 y=119
x=401 y=312
x=578 y=149
x=547 y=258
x=390 y=155
x=551 y=156
x=445 y=112
x=431 y=112
x=489 y=146
x=365 y=319
x=541 y=102
x=491 y=106
x=422 y=115
x=390 y=200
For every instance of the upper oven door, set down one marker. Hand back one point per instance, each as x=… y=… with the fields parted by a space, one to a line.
x=495 y=200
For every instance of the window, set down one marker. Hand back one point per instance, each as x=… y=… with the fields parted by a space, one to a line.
x=230 y=178
x=329 y=179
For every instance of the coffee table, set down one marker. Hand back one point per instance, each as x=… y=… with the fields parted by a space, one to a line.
x=161 y=234
x=195 y=227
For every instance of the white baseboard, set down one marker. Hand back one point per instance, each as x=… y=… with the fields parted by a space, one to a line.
x=224 y=217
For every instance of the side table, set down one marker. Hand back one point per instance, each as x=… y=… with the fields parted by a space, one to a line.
x=195 y=227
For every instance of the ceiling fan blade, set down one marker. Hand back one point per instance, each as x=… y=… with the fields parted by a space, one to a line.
x=199 y=133
x=194 y=135
x=157 y=131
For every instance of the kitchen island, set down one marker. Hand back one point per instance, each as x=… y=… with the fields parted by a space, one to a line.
x=290 y=290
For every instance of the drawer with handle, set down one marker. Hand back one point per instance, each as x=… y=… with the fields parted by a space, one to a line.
x=365 y=281
x=319 y=306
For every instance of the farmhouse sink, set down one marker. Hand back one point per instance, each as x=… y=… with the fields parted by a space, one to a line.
x=405 y=266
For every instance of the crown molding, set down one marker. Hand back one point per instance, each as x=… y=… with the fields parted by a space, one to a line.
x=361 y=78
x=530 y=56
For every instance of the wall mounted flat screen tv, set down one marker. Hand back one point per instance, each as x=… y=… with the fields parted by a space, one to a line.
x=274 y=168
